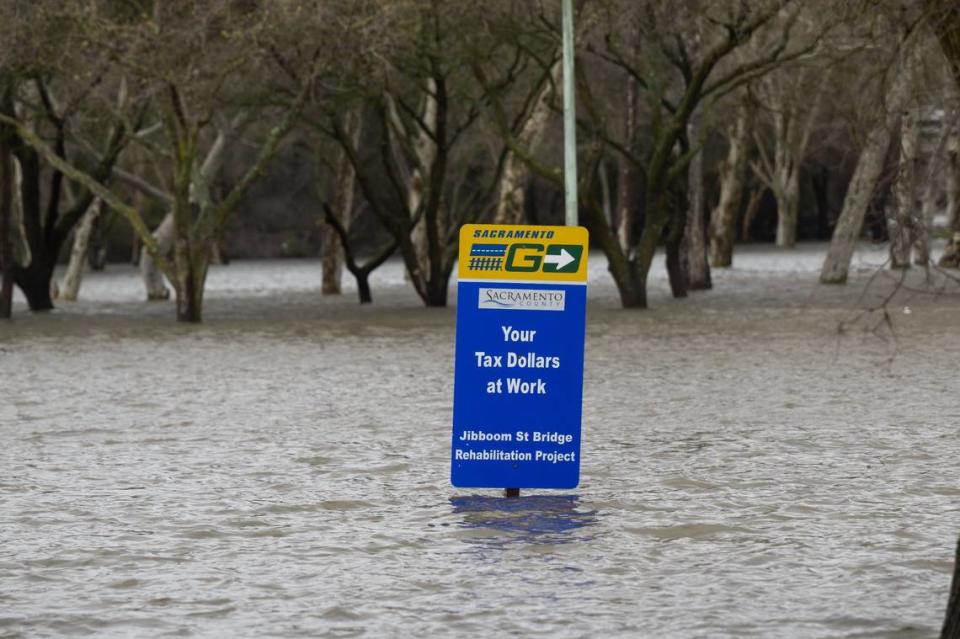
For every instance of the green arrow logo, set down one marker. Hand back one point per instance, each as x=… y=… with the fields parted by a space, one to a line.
x=562 y=258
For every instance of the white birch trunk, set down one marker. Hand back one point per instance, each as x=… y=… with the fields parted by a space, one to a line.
x=426 y=152
x=21 y=248
x=733 y=173
x=786 y=190
x=836 y=266
x=342 y=205
x=70 y=284
x=153 y=279
x=792 y=128
x=511 y=203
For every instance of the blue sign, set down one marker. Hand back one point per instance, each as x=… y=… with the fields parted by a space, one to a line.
x=518 y=390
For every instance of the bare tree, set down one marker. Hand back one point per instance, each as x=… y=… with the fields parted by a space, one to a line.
x=836 y=265
x=790 y=102
x=344 y=185
x=186 y=58
x=654 y=45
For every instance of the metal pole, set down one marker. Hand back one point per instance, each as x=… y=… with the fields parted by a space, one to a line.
x=569 y=117
x=569 y=137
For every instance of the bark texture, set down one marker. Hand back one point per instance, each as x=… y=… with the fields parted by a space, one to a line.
x=343 y=188
x=836 y=266
x=70 y=284
x=733 y=175
x=511 y=203
x=951 y=256
x=698 y=269
x=787 y=195
x=7 y=186
x=793 y=121
x=931 y=192
x=903 y=220
x=153 y=280
x=424 y=149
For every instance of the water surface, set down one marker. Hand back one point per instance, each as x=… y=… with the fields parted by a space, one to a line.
x=282 y=470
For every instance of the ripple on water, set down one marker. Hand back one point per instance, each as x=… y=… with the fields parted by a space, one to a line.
x=283 y=471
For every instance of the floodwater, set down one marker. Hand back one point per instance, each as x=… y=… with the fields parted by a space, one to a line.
x=282 y=470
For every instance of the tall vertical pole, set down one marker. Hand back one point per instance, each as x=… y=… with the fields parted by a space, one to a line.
x=569 y=137
x=569 y=117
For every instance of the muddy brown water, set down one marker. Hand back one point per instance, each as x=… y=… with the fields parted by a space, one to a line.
x=282 y=470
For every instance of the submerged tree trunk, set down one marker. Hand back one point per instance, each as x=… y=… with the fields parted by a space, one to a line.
x=836 y=266
x=7 y=186
x=698 y=269
x=931 y=192
x=34 y=281
x=951 y=625
x=360 y=272
x=70 y=284
x=192 y=263
x=153 y=280
x=902 y=221
x=343 y=189
x=425 y=148
x=677 y=272
x=787 y=194
x=733 y=175
x=627 y=174
x=951 y=256
x=850 y=223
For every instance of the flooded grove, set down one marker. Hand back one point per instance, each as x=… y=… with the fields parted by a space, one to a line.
x=282 y=470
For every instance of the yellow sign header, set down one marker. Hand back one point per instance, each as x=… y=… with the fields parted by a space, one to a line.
x=515 y=252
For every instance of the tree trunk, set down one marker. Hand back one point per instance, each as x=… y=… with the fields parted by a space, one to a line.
x=192 y=269
x=343 y=189
x=677 y=268
x=153 y=280
x=677 y=262
x=787 y=195
x=951 y=625
x=34 y=281
x=626 y=189
x=845 y=235
x=751 y=212
x=363 y=288
x=425 y=148
x=97 y=247
x=70 y=285
x=902 y=223
x=698 y=269
x=951 y=256
x=7 y=186
x=869 y=167
x=931 y=190
x=631 y=285
x=733 y=175
x=513 y=183
x=511 y=204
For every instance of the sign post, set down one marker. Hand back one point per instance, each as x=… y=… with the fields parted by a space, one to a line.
x=569 y=118
x=518 y=389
